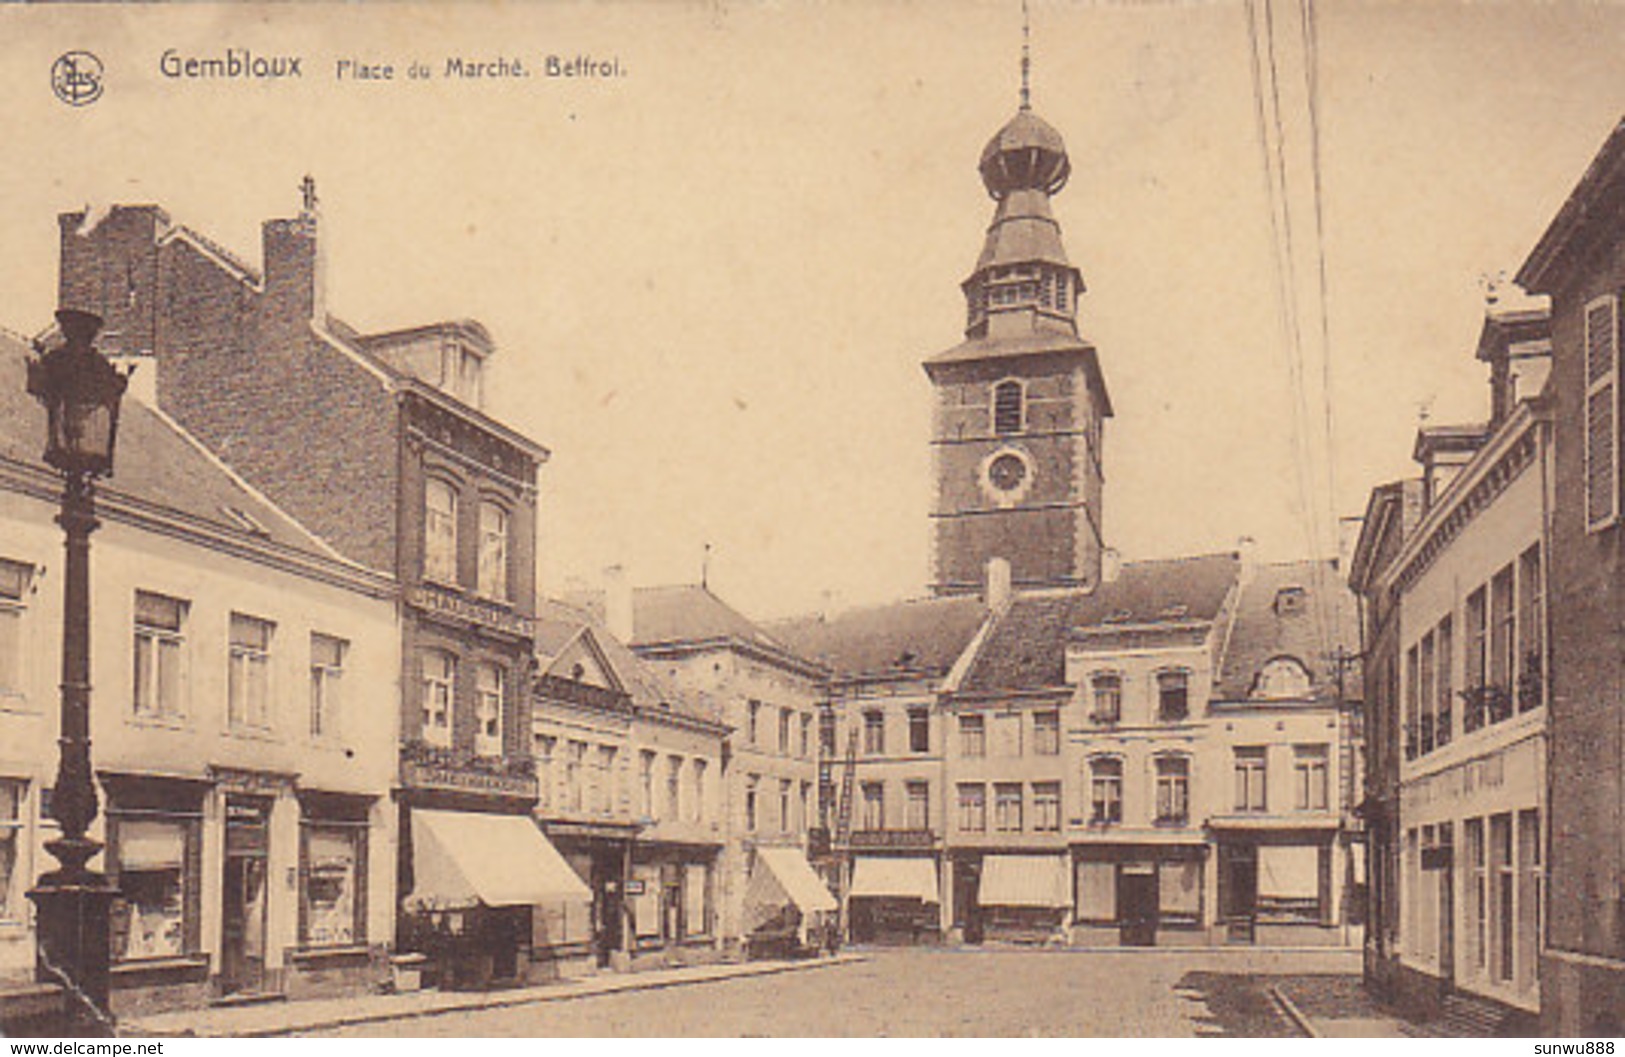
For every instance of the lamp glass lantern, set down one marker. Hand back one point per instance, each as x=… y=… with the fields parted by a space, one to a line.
x=80 y=391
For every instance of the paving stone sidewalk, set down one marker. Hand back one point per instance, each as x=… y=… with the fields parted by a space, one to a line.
x=285 y=1018
x=1339 y=1007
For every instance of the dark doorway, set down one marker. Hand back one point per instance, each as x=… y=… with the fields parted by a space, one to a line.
x=608 y=920
x=1238 y=890
x=967 y=908
x=242 y=926
x=1137 y=904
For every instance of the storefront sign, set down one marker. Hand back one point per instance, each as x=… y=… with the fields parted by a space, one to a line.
x=893 y=839
x=484 y=614
x=426 y=776
x=634 y=887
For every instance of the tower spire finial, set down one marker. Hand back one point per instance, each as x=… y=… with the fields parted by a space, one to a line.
x=1026 y=59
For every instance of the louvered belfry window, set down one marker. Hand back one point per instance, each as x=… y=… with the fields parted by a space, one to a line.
x=1602 y=412
x=1007 y=408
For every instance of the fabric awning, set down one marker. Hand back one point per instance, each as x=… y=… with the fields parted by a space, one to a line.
x=904 y=878
x=1024 y=881
x=1289 y=871
x=783 y=878
x=462 y=858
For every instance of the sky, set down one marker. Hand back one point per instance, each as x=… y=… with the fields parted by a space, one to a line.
x=712 y=279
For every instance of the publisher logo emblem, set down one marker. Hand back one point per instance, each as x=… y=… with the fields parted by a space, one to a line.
x=76 y=78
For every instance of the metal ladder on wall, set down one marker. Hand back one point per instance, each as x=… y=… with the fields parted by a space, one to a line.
x=843 y=811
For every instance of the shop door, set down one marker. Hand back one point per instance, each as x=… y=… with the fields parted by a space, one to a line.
x=1137 y=904
x=1238 y=889
x=242 y=932
x=607 y=916
x=967 y=911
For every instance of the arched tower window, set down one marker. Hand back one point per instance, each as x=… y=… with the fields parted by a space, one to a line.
x=1007 y=407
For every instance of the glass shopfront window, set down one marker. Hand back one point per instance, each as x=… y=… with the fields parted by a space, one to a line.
x=155 y=873
x=332 y=906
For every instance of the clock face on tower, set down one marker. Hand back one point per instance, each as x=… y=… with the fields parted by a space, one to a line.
x=1006 y=476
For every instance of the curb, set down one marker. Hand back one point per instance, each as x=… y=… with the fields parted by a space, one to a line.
x=1293 y=1013
x=519 y=998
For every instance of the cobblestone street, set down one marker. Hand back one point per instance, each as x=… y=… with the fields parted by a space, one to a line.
x=938 y=992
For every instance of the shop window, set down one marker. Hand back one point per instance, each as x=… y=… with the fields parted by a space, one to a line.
x=488 y=687
x=160 y=642
x=1047 y=733
x=1173 y=774
x=1046 y=807
x=972 y=808
x=874 y=806
x=1173 y=695
x=327 y=656
x=1007 y=807
x=1309 y=777
x=1107 y=688
x=1289 y=882
x=1179 y=888
x=1252 y=793
x=493 y=566
x=917 y=803
x=919 y=730
x=248 y=682
x=1105 y=790
x=874 y=733
x=437 y=692
x=439 y=531
x=332 y=905
x=13 y=833
x=972 y=735
x=15 y=580
x=697 y=899
x=1097 y=891
x=154 y=863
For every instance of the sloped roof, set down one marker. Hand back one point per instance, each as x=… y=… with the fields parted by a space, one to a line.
x=922 y=635
x=1026 y=647
x=559 y=624
x=1264 y=629
x=156 y=464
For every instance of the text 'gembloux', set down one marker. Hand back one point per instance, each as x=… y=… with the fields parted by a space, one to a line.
x=233 y=63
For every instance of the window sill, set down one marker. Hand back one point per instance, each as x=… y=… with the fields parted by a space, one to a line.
x=304 y=955
x=251 y=734
x=158 y=722
x=178 y=963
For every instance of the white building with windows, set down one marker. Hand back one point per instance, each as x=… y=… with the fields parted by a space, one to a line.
x=243 y=735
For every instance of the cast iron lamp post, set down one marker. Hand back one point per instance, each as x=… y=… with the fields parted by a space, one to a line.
x=81 y=392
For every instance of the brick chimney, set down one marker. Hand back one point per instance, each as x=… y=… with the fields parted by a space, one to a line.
x=109 y=266
x=294 y=262
x=618 y=603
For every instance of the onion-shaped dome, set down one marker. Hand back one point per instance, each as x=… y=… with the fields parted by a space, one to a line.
x=1027 y=154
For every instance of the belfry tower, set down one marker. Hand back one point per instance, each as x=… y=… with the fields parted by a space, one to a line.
x=1020 y=403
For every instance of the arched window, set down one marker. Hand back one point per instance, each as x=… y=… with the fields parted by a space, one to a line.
x=1105 y=790
x=1281 y=678
x=439 y=531
x=1007 y=407
x=1173 y=774
x=493 y=580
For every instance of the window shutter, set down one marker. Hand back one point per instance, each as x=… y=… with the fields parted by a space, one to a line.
x=1602 y=412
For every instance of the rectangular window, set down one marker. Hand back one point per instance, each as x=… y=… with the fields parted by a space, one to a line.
x=1097 y=891
x=786 y=718
x=575 y=776
x=1105 y=790
x=1529 y=899
x=332 y=906
x=1107 y=688
x=439 y=531
x=1046 y=807
x=488 y=685
x=787 y=821
x=1173 y=695
x=752 y=783
x=493 y=572
x=438 y=691
x=1007 y=807
x=972 y=808
x=1173 y=790
x=1531 y=692
x=1425 y=695
x=1416 y=741
x=155 y=872
x=1476 y=660
x=544 y=745
x=696 y=808
x=1445 y=681
x=874 y=806
x=1047 y=733
x=1309 y=778
x=917 y=804
x=1601 y=413
x=674 y=788
x=1502 y=924
x=1179 y=890
x=874 y=733
x=15 y=578
x=1007 y=407
x=826 y=731
x=607 y=756
x=753 y=719
x=1503 y=643
x=13 y=875
x=248 y=683
x=972 y=735
x=1478 y=897
x=646 y=784
x=806 y=735
x=1252 y=793
x=326 y=684
x=159 y=656
x=919 y=730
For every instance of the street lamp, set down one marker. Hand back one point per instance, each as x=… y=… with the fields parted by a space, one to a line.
x=81 y=392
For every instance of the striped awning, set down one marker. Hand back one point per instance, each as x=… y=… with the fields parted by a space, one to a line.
x=1025 y=881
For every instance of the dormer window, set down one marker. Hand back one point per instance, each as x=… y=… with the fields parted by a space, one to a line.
x=1290 y=600
x=462 y=373
x=1283 y=677
x=1007 y=407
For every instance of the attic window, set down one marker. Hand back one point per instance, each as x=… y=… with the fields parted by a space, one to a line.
x=577 y=670
x=244 y=520
x=1290 y=600
x=1283 y=677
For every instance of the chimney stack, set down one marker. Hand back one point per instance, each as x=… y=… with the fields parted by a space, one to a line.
x=998 y=588
x=618 y=603
x=294 y=266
